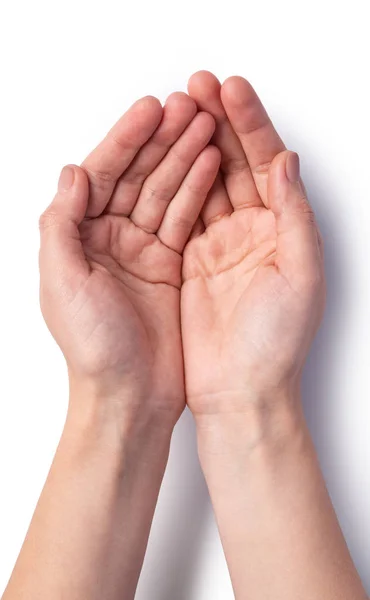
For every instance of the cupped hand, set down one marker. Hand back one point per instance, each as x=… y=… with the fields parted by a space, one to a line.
x=253 y=291
x=111 y=251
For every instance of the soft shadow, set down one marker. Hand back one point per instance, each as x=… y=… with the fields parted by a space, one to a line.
x=320 y=379
x=171 y=564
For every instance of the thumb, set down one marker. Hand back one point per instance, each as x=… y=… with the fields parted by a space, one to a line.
x=70 y=202
x=62 y=259
x=298 y=252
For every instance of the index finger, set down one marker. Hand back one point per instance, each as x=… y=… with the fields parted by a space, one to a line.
x=252 y=125
x=205 y=89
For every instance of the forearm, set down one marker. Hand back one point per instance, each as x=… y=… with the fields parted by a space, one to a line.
x=89 y=532
x=279 y=530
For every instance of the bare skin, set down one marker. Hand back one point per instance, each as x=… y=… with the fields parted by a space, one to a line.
x=119 y=244
x=155 y=217
x=241 y=273
x=252 y=299
x=110 y=263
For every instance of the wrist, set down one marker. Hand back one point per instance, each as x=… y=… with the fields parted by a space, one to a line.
x=126 y=457
x=114 y=434
x=126 y=412
x=246 y=422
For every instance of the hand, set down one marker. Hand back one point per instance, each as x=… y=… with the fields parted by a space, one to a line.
x=111 y=252
x=253 y=290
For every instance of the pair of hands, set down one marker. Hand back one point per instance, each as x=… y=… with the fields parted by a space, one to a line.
x=174 y=270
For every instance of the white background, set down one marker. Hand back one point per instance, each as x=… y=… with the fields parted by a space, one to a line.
x=69 y=70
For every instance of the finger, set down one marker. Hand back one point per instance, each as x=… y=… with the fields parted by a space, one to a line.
x=298 y=254
x=178 y=112
x=215 y=206
x=113 y=155
x=205 y=88
x=249 y=119
x=198 y=229
x=161 y=186
x=61 y=252
x=183 y=211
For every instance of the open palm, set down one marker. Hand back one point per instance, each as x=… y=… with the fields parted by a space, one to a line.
x=111 y=255
x=244 y=286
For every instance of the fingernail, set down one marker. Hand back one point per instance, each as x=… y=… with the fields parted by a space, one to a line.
x=292 y=167
x=66 y=179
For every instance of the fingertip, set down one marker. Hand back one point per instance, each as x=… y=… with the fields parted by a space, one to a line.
x=81 y=180
x=150 y=105
x=203 y=85
x=149 y=101
x=276 y=183
x=179 y=98
x=206 y=120
x=286 y=192
x=292 y=167
x=285 y=167
x=73 y=192
x=178 y=112
x=207 y=166
x=279 y=160
x=66 y=179
x=237 y=90
x=181 y=103
x=234 y=80
x=212 y=155
x=72 y=176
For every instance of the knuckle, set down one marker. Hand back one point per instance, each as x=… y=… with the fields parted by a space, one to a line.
x=262 y=169
x=48 y=219
x=301 y=209
x=128 y=144
x=165 y=135
x=181 y=222
x=134 y=176
x=101 y=177
x=160 y=193
x=180 y=156
x=196 y=189
x=305 y=209
x=234 y=165
x=308 y=213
